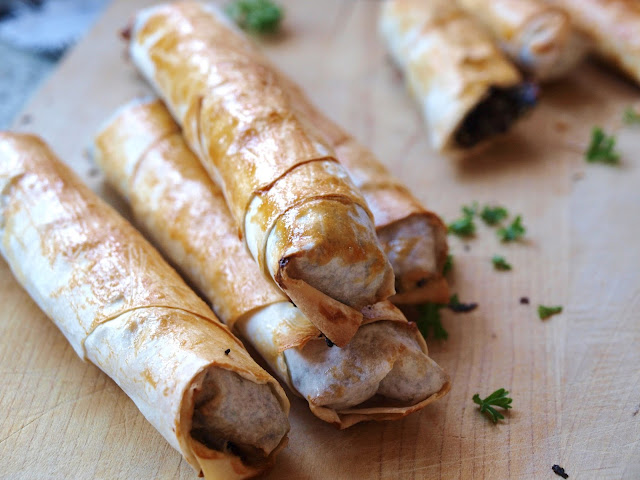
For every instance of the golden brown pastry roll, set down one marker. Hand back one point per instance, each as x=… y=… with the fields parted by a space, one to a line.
x=303 y=220
x=414 y=238
x=123 y=308
x=467 y=89
x=384 y=372
x=538 y=37
x=613 y=27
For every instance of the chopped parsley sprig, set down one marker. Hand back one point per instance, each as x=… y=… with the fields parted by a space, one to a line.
x=448 y=265
x=464 y=226
x=602 y=148
x=513 y=232
x=546 y=312
x=496 y=399
x=260 y=16
x=493 y=215
x=631 y=116
x=500 y=263
x=430 y=323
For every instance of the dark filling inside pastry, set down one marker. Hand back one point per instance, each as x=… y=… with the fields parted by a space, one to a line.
x=496 y=113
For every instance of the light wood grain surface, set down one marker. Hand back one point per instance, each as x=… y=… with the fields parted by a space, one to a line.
x=574 y=379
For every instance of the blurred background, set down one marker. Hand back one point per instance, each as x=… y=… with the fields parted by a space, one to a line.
x=34 y=35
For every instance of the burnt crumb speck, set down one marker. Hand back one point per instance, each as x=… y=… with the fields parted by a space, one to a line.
x=421 y=283
x=329 y=342
x=283 y=262
x=558 y=470
x=637 y=411
x=93 y=172
x=25 y=119
x=462 y=307
x=524 y=300
x=227 y=351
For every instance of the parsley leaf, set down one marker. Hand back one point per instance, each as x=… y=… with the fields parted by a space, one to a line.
x=499 y=399
x=512 y=232
x=630 y=116
x=261 y=16
x=500 y=263
x=448 y=265
x=464 y=226
x=493 y=215
x=602 y=148
x=430 y=322
x=546 y=312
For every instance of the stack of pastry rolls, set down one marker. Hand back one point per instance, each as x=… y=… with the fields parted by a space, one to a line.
x=383 y=373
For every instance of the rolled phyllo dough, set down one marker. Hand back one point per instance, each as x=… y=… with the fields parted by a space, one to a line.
x=303 y=220
x=123 y=308
x=467 y=89
x=414 y=238
x=613 y=27
x=538 y=37
x=384 y=373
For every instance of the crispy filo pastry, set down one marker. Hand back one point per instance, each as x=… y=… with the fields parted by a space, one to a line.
x=122 y=307
x=384 y=373
x=413 y=238
x=467 y=89
x=612 y=26
x=303 y=220
x=538 y=37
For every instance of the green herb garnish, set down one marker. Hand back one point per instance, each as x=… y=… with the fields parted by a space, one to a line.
x=513 y=232
x=430 y=323
x=464 y=226
x=470 y=210
x=630 y=116
x=601 y=148
x=493 y=215
x=546 y=312
x=260 y=16
x=498 y=399
x=448 y=265
x=500 y=263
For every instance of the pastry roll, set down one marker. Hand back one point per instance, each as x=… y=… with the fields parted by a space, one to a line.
x=123 y=308
x=613 y=27
x=413 y=238
x=303 y=220
x=383 y=373
x=538 y=37
x=466 y=87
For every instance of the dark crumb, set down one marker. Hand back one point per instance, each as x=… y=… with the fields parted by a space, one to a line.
x=421 y=283
x=125 y=33
x=227 y=351
x=562 y=125
x=467 y=247
x=462 y=307
x=637 y=411
x=558 y=470
x=283 y=262
x=93 y=172
x=577 y=176
x=329 y=342
x=524 y=300
x=25 y=119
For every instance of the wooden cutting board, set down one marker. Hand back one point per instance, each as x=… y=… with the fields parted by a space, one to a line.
x=574 y=379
